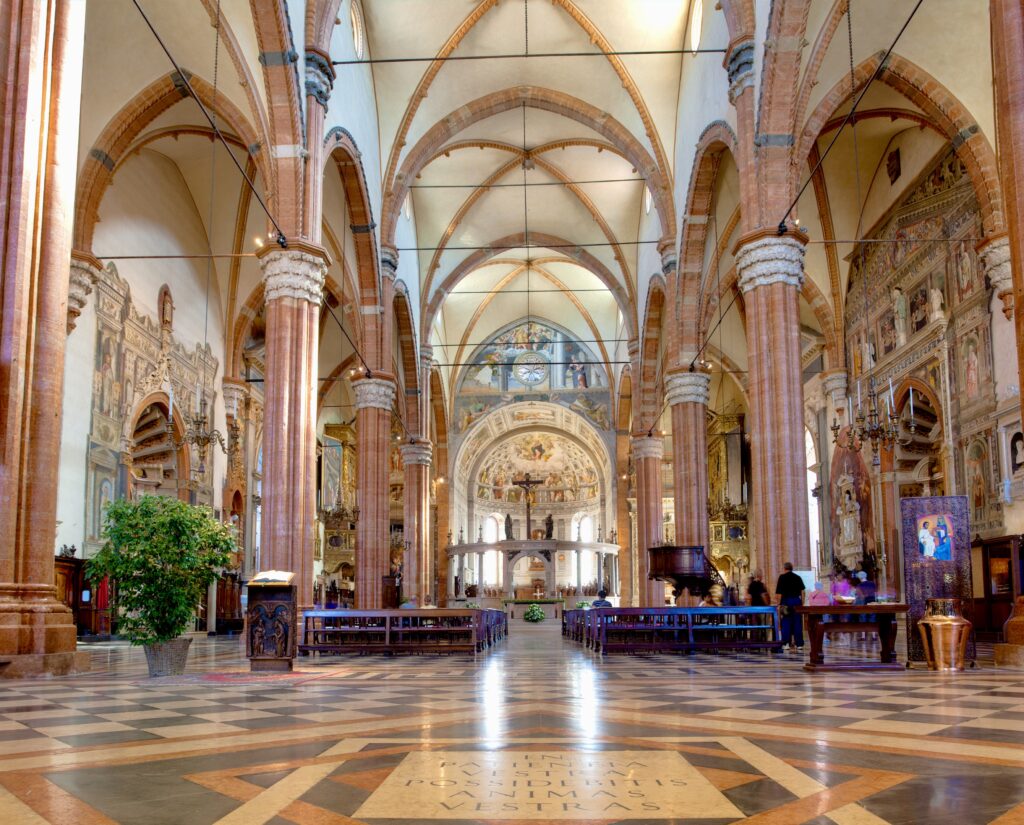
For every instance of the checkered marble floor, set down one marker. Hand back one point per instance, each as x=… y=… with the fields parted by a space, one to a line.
x=347 y=740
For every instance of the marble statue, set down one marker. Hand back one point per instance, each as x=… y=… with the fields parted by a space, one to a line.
x=549 y=527
x=508 y=527
x=900 y=315
x=936 y=301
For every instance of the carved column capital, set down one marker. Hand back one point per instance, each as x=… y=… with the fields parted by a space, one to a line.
x=293 y=273
x=389 y=262
x=687 y=388
x=647 y=447
x=770 y=260
x=995 y=257
x=374 y=392
x=84 y=272
x=667 y=250
x=739 y=64
x=417 y=452
x=320 y=76
x=235 y=393
x=835 y=383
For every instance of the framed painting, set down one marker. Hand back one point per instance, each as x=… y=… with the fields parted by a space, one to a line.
x=936 y=559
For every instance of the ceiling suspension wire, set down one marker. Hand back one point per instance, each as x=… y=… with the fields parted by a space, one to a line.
x=532 y=56
x=281 y=239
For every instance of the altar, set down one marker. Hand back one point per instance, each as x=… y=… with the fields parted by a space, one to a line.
x=488 y=573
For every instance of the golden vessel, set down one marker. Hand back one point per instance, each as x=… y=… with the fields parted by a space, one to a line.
x=944 y=634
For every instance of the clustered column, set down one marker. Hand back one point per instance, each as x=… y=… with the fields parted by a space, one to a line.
x=771 y=272
x=647 y=455
x=686 y=393
x=293 y=286
x=416 y=458
x=374 y=399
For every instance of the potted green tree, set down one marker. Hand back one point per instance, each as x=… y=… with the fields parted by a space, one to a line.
x=161 y=554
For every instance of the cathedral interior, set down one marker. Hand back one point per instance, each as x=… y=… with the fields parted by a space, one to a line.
x=459 y=316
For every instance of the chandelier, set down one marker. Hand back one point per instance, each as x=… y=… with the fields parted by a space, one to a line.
x=198 y=434
x=338 y=512
x=880 y=429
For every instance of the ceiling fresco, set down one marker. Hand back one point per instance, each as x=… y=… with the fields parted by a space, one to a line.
x=567 y=473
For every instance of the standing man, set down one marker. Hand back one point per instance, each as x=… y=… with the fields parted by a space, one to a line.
x=790 y=590
x=757 y=592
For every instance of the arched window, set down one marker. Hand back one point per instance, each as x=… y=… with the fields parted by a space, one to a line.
x=491 y=532
x=358 y=30
x=696 y=19
x=813 y=516
x=582 y=527
x=491 y=567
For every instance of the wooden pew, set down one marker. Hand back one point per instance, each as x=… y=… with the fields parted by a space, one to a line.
x=680 y=629
x=401 y=631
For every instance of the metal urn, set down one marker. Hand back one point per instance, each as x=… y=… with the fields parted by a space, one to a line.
x=944 y=634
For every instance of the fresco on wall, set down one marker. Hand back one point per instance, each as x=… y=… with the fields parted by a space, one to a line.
x=533 y=361
x=566 y=472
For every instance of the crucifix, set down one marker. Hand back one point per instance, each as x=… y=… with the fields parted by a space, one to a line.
x=527 y=484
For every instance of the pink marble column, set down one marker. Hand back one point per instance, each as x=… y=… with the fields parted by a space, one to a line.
x=771 y=272
x=293 y=282
x=647 y=455
x=374 y=399
x=686 y=393
x=39 y=113
x=416 y=458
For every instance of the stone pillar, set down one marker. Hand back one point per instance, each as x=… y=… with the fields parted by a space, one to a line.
x=416 y=457
x=834 y=384
x=479 y=573
x=1008 y=72
x=771 y=273
x=579 y=574
x=293 y=284
x=39 y=113
x=686 y=393
x=85 y=271
x=647 y=455
x=374 y=398
x=995 y=256
x=211 y=609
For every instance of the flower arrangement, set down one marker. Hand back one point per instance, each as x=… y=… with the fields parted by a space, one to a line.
x=472 y=606
x=534 y=613
x=582 y=605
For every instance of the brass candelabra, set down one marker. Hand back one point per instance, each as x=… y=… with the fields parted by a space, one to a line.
x=879 y=428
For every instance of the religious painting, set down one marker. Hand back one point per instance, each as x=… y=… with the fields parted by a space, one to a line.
x=850 y=475
x=566 y=472
x=999 y=576
x=962 y=269
x=887 y=332
x=976 y=467
x=936 y=558
x=1016 y=453
x=971 y=367
x=330 y=472
x=919 y=307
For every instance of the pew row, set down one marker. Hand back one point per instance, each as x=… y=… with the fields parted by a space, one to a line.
x=401 y=631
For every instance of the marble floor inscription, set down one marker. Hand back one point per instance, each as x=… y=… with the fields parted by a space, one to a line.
x=518 y=785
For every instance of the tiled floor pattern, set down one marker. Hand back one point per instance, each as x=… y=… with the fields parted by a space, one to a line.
x=536 y=730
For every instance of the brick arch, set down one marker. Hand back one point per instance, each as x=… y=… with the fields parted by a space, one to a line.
x=402 y=314
x=333 y=377
x=902 y=395
x=439 y=410
x=595 y=36
x=624 y=400
x=120 y=133
x=715 y=141
x=649 y=406
x=739 y=17
x=548 y=100
x=250 y=309
x=555 y=172
x=822 y=309
x=478 y=257
x=950 y=117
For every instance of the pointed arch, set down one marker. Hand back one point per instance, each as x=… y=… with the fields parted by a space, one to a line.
x=650 y=372
x=119 y=135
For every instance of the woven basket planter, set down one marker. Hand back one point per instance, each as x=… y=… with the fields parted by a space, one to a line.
x=168 y=658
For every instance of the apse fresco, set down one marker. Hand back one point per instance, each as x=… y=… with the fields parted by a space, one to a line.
x=533 y=361
x=566 y=472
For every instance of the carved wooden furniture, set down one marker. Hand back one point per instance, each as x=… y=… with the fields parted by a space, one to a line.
x=685 y=567
x=270 y=625
x=401 y=631
x=683 y=629
x=878 y=618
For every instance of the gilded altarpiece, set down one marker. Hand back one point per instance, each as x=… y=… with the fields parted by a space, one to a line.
x=927 y=317
x=136 y=357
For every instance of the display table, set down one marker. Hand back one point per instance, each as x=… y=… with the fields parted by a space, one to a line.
x=878 y=617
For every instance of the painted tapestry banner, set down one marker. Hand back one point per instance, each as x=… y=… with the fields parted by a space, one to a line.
x=936 y=559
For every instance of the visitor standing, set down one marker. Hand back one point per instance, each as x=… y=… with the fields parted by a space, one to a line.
x=756 y=591
x=790 y=590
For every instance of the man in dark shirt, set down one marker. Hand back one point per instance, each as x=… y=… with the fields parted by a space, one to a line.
x=601 y=600
x=756 y=590
x=790 y=590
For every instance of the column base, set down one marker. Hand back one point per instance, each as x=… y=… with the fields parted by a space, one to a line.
x=1008 y=655
x=38 y=665
x=38 y=636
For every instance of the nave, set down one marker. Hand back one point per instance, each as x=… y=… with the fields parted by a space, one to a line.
x=660 y=739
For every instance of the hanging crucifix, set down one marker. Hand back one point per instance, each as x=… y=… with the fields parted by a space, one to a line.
x=527 y=484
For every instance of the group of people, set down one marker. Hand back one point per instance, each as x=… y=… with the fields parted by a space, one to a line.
x=789 y=590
